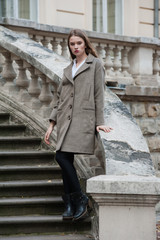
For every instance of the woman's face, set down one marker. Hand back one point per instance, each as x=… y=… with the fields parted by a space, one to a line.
x=77 y=46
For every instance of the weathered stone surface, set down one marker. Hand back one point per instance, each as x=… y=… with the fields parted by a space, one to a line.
x=127 y=202
x=124 y=185
x=56 y=29
x=153 y=110
x=156 y=161
x=126 y=151
x=138 y=109
x=158 y=125
x=154 y=144
x=144 y=90
x=43 y=59
x=148 y=126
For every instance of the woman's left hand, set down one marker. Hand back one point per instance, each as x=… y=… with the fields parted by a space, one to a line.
x=104 y=128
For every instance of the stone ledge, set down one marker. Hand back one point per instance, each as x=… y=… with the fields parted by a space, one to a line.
x=143 y=91
x=92 y=34
x=130 y=184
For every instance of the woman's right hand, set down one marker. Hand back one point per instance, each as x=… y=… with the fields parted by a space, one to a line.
x=48 y=133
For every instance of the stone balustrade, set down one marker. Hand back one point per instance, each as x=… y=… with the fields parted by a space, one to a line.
x=127 y=60
x=28 y=85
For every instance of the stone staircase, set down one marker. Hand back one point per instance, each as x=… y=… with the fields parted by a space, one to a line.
x=31 y=188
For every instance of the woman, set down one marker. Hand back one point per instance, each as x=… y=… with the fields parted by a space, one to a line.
x=78 y=114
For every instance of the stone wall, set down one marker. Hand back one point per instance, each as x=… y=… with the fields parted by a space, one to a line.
x=147 y=115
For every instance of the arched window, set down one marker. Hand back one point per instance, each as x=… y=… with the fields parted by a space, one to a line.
x=108 y=16
x=26 y=9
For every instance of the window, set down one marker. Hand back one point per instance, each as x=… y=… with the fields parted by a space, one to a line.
x=107 y=16
x=26 y=9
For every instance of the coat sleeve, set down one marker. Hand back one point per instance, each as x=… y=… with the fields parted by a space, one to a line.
x=53 y=116
x=99 y=93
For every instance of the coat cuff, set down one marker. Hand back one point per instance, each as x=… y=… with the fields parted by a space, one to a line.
x=53 y=116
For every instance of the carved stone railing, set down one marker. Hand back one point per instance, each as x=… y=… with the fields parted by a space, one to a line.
x=127 y=60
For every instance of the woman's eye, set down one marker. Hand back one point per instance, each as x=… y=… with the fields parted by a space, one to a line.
x=71 y=44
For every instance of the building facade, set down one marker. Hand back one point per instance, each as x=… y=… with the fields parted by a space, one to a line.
x=123 y=17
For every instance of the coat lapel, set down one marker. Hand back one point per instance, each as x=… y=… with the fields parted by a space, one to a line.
x=68 y=73
x=85 y=66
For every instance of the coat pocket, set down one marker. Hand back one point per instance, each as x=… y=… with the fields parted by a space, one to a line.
x=87 y=92
x=88 y=121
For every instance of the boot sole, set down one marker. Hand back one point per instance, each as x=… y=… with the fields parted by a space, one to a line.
x=67 y=218
x=82 y=215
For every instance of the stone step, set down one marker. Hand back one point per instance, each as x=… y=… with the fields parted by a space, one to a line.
x=41 y=224
x=59 y=236
x=24 y=158
x=4 y=117
x=31 y=188
x=27 y=206
x=19 y=143
x=8 y=173
x=12 y=130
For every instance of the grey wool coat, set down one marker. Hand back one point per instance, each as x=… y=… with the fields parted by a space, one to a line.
x=79 y=108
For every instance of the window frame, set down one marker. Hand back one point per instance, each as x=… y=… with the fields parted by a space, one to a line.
x=33 y=16
x=119 y=16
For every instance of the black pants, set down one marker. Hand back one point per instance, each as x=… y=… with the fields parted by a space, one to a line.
x=69 y=175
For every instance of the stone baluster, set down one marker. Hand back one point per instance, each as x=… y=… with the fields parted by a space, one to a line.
x=109 y=74
x=156 y=67
x=22 y=81
x=127 y=78
x=34 y=89
x=99 y=50
x=54 y=91
x=1 y=69
x=1 y=57
x=9 y=73
x=46 y=41
x=37 y=39
x=116 y=62
x=55 y=44
x=46 y=95
x=64 y=48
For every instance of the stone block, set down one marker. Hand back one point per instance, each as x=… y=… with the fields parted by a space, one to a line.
x=138 y=109
x=153 y=110
x=148 y=126
x=140 y=60
x=126 y=206
x=156 y=160
x=143 y=90
x=154 y=144
x=158 y=125
x=128 y=105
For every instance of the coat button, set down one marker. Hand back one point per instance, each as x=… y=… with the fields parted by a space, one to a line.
x=70 y=106
x=69 y=117
x=71 y=94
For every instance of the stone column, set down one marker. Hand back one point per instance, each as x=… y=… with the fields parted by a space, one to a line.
x=64 y=48
x=22 y=81
x=99 y=49
x=126 y=206
x=9 y=73
x=45 y=96
x=34 y=89
x=141 y=66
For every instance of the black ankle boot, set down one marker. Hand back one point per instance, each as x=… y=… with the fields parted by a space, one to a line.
x=80 y=201
x=69 y=209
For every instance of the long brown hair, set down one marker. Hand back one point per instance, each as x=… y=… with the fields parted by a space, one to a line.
x=81 y=34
